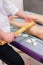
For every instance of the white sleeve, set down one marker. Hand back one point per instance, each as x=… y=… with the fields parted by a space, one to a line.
x=10 y=8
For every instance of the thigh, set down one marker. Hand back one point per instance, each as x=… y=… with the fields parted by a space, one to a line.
x=10 y=56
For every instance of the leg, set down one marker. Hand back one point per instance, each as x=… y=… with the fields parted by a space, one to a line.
x=36 y=30
x=38 y=17
x=9 y=56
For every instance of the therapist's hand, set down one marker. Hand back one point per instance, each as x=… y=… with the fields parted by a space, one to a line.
x=28 y=20
x=9 y=37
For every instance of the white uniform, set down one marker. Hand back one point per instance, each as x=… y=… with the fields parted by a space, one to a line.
x=6 y=9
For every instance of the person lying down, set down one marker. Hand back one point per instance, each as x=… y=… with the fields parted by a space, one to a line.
x=35 y=30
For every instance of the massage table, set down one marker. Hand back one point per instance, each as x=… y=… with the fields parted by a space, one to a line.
x=28 y=44
x=35 y=51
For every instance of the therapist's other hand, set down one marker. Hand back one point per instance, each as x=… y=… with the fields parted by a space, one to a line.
x=28 y=20
x=9 y=37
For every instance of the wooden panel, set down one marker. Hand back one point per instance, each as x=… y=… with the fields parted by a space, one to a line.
x=33 y=6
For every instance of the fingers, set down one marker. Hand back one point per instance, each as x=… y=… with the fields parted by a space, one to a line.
x=15 y=35
x=32 y=18
x=28 y=20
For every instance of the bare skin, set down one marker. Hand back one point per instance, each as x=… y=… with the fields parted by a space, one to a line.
x=8 y=37
x=36 y=30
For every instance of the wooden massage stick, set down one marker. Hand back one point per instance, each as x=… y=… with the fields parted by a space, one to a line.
x=20 y=31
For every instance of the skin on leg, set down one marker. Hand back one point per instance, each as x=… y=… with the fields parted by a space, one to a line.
x=36 y=30
x=37 y=17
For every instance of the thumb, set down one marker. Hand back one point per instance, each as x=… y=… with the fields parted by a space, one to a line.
x=27 y=20
x=15 y=36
